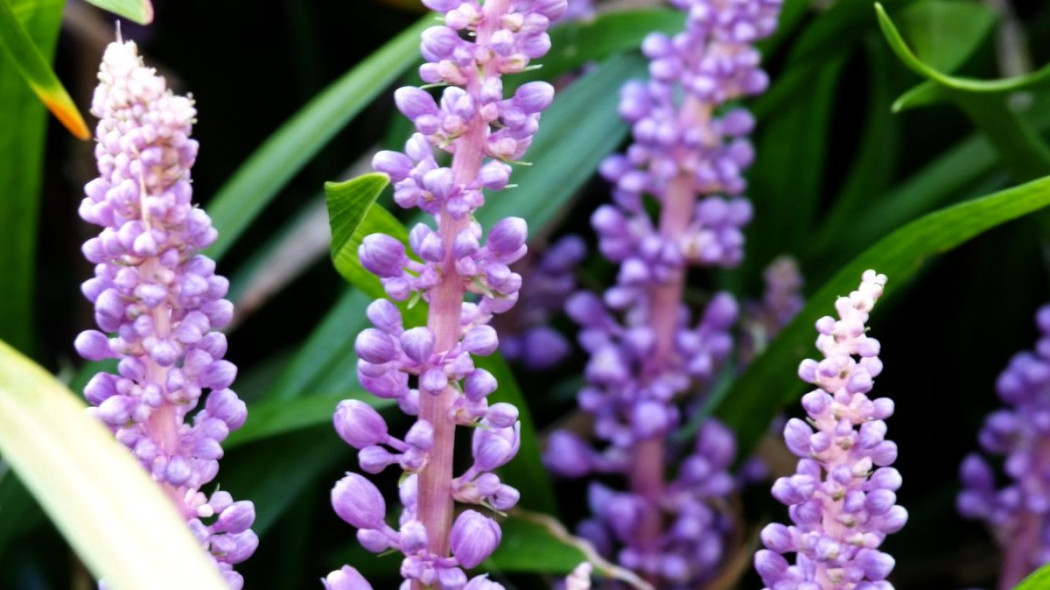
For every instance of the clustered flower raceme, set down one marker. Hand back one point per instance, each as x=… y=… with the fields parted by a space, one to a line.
x=696 y=140
x=429 y=370
x=781 y=301
x=1019 y=512
x=689 y=152
x=161 y=301
x=842 y=498
x=548 y=285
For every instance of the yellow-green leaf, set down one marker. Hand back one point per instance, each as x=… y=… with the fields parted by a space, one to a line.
x=124 y=528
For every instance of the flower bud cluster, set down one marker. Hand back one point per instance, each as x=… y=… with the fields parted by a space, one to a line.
x=158 y=303
x=1016 y=512
x=842 y=498
x=713 y=61
x=550 y=282
x=430 y=370
x=689 y=153
x=762 y=320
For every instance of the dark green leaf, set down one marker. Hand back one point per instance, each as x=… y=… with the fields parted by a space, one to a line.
x=21 y=157
x=771 y=380
x=140 y=11
x=529 y=547
x=348 y=204
x=285 y=153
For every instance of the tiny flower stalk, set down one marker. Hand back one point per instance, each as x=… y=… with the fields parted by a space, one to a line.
x=1017 y=513
x=429 y=370
x=842 y=498
x=158 y=303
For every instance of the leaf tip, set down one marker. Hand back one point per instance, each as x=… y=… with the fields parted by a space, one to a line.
x=66 y=112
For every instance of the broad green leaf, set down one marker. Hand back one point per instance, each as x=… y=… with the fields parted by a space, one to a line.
x=909 y=58
x=288 y=150
x=24 y=54
x=526 y=471
x=21 y=159
x=75 y=469
x=945 y=33
x=576 y=132
x=139 y=11
x=771 y=380
x=1037 y=580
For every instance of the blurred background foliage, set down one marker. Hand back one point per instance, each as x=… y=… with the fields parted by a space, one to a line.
x=291 y=94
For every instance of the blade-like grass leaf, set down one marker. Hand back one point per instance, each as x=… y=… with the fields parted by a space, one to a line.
x=771 y=380
x=285 y=153
x=76 y=469
x=35 y=68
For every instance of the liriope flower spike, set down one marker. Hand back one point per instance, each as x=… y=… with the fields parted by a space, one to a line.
x=690 y=150
x=1019 y=512
x=158 y=303
x=842 y=498
x=429 y=370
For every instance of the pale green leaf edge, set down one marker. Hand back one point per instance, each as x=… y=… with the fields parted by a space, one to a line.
x=139 y=11
x=101 y=499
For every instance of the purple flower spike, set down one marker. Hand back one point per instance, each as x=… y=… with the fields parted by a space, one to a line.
x=158 y=302
x=429 y=370
x=1016 y=512
x=841 y=506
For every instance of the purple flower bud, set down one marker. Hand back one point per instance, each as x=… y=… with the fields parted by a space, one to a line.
x=382 y=255
x=508 y=236
x=502 y=415
x=421 y=435
x=473 y=538
x=481 y=340
x=418 y=344
x=413 y=537
x=493 y=447
x=479 y=384
x=376 y=346
x=359 y=424
x=395 y=164
x=534 y=97
x=93 y=345
x=346 y=578
x=236 y=518
x=567 y=455
x=357 y=501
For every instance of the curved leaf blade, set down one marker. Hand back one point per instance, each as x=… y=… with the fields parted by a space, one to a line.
x=905 y=53
x=75 y=469
x=37 y=72
x=289 y=149
x=771 y=380
x=1037 y=580
x=348 y=202
x=139 y=11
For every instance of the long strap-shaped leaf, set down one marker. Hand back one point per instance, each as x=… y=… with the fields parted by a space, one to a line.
x=25 y=56
x=119 y=521
x=771 y=382
x=285 y=153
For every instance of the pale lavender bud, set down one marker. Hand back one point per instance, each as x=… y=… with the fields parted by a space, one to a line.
x=473 y=538
x=382 y=255
x=357 y=501
x=359 y=424
x=346 y=578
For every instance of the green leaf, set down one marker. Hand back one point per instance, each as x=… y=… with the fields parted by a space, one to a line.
x=526 y=471
x=288 y=150
x=75 y=469
x=21 y=52
x=945 y=33
x=1037 y=580
x=21 y=159
x=576 y=132
x=771 y=380
x=909 y=58
x=528 y=546
x=276 y=417
x=348 y=203
x=576 y=43
x=139 y=11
